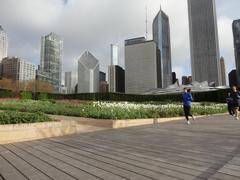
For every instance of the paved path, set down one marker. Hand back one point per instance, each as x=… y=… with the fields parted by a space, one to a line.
x=207 y=149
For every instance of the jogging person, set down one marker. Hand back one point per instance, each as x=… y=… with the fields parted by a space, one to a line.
x=230 y=104
x=187 y=104
x=235 y=96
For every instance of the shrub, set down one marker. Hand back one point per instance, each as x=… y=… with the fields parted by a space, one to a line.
x=26 y=95
x=42 y=96
x=11 y=117
x=4 y=93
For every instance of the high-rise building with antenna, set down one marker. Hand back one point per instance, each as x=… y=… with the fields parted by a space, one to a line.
x=161 y=36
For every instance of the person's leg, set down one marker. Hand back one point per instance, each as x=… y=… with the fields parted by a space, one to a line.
x=230 y=110
x=186 y=112
x=235 y=109
x=190 y=114
x=237 y=112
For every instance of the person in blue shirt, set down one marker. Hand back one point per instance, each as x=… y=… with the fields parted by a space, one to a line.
x=187 y=104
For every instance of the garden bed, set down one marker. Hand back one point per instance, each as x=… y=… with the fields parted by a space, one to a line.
x=11 y=117
x=111 y=110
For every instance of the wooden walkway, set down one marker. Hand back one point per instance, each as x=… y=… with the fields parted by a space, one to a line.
x=207 y=149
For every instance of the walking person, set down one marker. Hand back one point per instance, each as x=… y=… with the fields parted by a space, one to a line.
x=235 y=96
x=229 y=104
x=187 y=104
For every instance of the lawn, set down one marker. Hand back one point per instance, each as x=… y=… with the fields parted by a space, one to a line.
x=111 y=110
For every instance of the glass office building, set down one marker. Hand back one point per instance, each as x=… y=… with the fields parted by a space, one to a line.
x=161 y=36
x=51 y=60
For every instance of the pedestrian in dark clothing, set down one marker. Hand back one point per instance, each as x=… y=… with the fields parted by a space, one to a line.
x=235 y=96
x=187 y=104
x=230 y=105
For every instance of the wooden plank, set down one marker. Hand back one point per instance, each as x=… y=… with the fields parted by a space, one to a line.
x=77 y=164
x=82 y=155
x=100 y=164
x=8 y=171
x=41 y=165
x=25 y=168
x=65 y=167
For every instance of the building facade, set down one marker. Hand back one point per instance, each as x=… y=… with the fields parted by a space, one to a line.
x=184 y=80
x=116 y=79
x=102 y=76
x=223 y=71
x=232 y=77
x=88 y=73
x=236 y=37
x=161 y=36
x=204 y=45
x=114 y=54
x=51 y=60
x=3 y=44
x=69 y=85
x=141 y=66
x=18 y=69
x=174 y=77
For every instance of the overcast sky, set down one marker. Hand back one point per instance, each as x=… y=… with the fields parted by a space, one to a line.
x=94 y=24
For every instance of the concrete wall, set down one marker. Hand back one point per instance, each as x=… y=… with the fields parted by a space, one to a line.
x=141 y=67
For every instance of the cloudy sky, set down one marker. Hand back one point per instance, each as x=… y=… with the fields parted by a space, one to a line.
x=94 y=24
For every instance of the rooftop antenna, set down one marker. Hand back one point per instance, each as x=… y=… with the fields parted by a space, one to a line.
x=146 y=22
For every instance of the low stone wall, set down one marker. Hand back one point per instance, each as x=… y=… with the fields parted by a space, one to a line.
x=25 y=132
x=68 y=125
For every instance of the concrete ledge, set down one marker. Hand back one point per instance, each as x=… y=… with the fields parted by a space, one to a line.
x=140 y=122
x=26 y=132
x=108 y=123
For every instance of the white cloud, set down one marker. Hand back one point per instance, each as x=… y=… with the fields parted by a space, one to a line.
x=226 y=41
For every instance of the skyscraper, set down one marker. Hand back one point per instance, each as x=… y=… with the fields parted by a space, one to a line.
x=223 y=71
x=142 y=66
x=232 y=77
x=51 y=60
x=3 y=44
x=174 y=77
x=204 y=41
x=236 y=35
x=114 y=54
x=116 y=79
x=161 y=36
x=88 y=73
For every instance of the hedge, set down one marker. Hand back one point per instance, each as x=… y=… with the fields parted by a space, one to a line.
x=209 y=96
x=4 y=93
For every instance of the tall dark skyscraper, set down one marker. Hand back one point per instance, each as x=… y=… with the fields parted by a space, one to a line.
x=232 y=77
x=236 y=35
x=223 y=71
x=204 y=41
x=117 y=79
x=161 y=36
